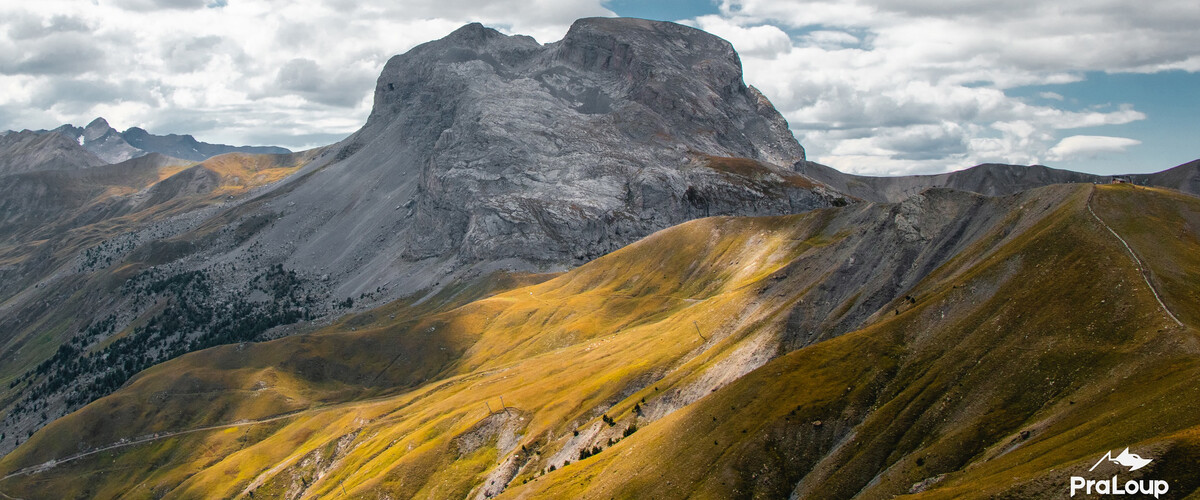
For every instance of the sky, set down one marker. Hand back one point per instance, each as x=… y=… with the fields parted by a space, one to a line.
x=874 y=87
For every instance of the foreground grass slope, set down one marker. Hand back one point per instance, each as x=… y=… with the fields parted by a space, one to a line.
x=981 y=346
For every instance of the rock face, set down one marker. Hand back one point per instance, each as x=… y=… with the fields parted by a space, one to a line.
x=484 y=148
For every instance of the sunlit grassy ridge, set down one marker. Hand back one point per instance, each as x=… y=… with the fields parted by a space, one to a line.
x=518 y=343
x=1060 y=343
x=1029 y=347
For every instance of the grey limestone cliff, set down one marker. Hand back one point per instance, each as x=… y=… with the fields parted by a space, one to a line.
x=487 y=150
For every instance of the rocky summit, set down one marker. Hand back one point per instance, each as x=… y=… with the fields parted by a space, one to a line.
x=27 y=151
x=487 y=150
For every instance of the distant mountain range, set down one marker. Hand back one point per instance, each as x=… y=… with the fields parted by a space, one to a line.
x=112 y=146
x=989 y=179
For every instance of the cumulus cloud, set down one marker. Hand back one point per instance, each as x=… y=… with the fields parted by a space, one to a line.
x=762 y=41
x=63 y=53
x=305 y=78
x=1089 y=146
x=150 y=5
x=298 y=73
x=830 y=39
x=891 y=86
x=29 y=26
x=870 y=86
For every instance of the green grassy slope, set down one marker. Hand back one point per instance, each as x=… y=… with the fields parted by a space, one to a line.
x=1011 y=392
x=996 y=345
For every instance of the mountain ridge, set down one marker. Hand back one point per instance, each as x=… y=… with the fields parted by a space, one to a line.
x=28 y=151
x=114 y=146
x=992 y=179
x=724 y=404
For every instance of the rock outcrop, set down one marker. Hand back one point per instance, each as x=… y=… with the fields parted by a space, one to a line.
x=102 y=140
x=484 y=149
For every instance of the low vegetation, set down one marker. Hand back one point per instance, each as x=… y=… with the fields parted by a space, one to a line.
x=662 y=371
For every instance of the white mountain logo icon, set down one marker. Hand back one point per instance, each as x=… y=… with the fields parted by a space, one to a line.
x=1126 y=459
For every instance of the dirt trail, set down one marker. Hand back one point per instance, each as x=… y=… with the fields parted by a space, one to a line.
x=34 y=469
x=1145 y=271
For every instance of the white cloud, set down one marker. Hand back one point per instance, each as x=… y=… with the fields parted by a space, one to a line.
x=753 y=41
x=295 y=73
x=830 y=39
x=872 y=86
x=892 y=86
x=1089 y=146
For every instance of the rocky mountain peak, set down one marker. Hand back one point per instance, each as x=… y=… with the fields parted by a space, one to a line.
x=30 y=151
x=473 y=34
x=485 y=147
x=98 y=125
x=667 y=82
x=623 y=44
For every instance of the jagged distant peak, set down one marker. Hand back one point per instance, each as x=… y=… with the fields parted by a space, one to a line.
x=114 y=146
x=98 y=123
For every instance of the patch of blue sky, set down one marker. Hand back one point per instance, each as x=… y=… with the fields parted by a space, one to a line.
x=663 y=10
x=1168 y=135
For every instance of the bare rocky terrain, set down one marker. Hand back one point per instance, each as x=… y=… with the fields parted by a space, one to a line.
x=485 y=151
x=27 y=151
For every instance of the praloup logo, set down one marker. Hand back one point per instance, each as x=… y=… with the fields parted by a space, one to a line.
x=1113 y=486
